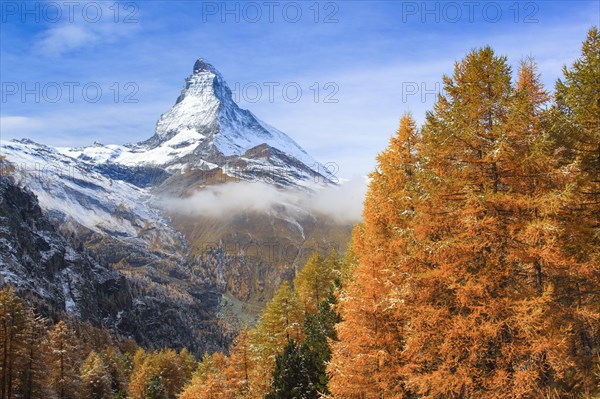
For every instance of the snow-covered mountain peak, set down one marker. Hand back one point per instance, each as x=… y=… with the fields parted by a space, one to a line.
x=206 y=116
x=202 y=66
x=205 y=85
x=205 y=129
x=196 y=107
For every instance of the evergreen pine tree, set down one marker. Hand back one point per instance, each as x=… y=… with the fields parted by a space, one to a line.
x=294 y=374
x=281 y=321
x=319 y=332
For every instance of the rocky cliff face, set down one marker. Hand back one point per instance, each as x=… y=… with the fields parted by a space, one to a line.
x=59 y=275
x=57 y=272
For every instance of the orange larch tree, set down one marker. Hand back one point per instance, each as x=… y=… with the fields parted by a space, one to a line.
x=477 y=270
x=488 y=315
x=365 y=361
x=240 y=368
x=575 y=131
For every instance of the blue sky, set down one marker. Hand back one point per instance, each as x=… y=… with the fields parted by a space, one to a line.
x=359 y=65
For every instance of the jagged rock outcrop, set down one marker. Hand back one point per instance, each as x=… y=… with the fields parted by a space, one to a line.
x=60 y=276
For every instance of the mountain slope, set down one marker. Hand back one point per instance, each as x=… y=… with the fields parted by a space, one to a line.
x=60 y=276
x=111 y=198
x=57 y=273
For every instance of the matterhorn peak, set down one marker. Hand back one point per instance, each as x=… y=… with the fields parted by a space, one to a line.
x=202 y=66
x=205 y=84
x=207 y=121
x=205 y=128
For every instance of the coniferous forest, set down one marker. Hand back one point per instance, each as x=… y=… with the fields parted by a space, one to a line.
x=475 y=273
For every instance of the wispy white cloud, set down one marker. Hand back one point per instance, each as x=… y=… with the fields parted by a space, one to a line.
x=60 y=39
x=13 y=123
x=78 y=28
x=342 y=203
